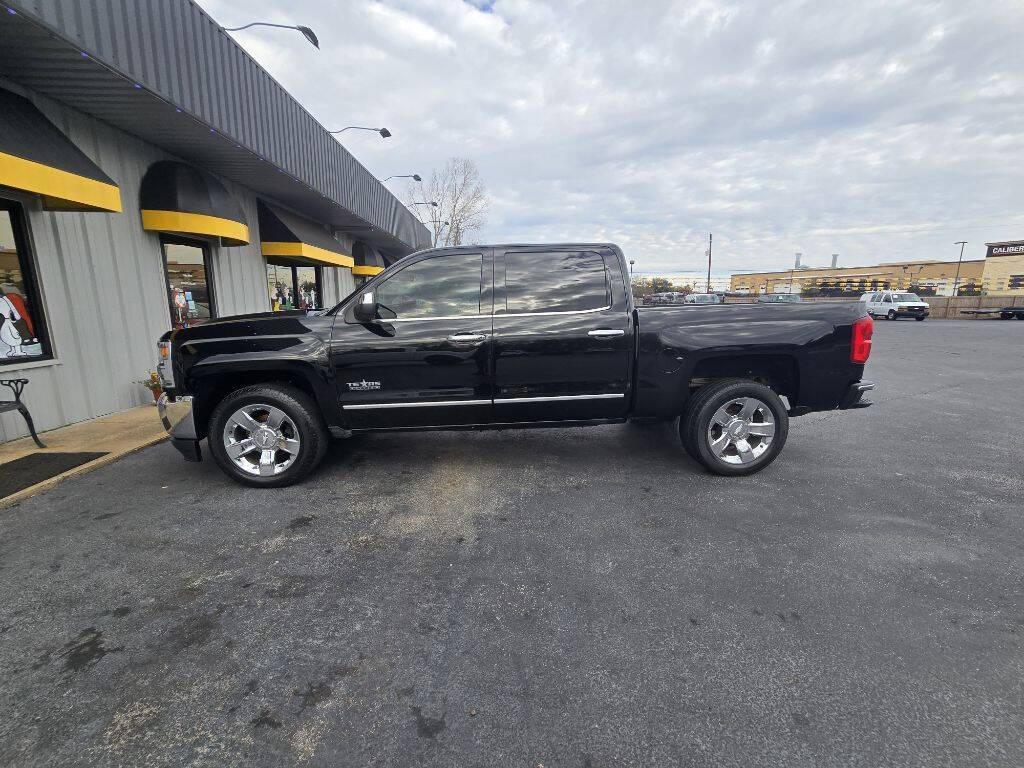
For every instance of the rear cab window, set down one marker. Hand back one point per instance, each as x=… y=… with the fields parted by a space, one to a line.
x=555 y=281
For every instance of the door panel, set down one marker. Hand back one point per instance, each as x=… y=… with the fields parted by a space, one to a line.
x=427 y=361
x=563 y=337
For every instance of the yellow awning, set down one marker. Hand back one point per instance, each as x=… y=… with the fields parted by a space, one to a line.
x=283 y=233
x=36 y=157
x=180 y=199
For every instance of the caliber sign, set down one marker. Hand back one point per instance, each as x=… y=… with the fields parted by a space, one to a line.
x=1005 y=249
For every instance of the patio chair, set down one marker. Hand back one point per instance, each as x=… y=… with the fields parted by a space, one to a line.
x=17 y=386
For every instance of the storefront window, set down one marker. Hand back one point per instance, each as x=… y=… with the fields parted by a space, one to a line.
x=22 y=331
x=189 y=281
x=294 y=286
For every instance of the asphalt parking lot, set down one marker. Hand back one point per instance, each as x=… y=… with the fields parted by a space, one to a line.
x=560 y=597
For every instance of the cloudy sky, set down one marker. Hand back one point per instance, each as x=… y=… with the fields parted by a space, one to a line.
x=879 y=130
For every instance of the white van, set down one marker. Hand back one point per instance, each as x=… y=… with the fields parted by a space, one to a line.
x=893 y=305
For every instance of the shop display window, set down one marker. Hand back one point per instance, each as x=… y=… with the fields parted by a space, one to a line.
x=22 y=327
x=294 y=286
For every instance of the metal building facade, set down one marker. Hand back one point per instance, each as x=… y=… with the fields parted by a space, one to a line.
x=200 y=100
x=199 y=96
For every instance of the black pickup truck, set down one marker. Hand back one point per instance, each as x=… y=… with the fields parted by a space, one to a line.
x=506 y=336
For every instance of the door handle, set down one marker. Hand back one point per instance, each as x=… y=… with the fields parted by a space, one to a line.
x=466 y=338
x=602 y=333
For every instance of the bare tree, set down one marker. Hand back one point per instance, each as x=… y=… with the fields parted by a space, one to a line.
x=461 y=202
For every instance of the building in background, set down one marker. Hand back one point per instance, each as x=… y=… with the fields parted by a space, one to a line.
x=1004 y=268
x=152 y=176
x=932 y=278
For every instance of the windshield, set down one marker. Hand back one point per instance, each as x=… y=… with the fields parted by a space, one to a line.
x=905 y=297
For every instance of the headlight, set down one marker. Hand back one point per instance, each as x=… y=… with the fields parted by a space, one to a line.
x=164 y=368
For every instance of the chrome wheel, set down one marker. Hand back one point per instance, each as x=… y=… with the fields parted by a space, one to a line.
x=261 y=440
x=741 y=430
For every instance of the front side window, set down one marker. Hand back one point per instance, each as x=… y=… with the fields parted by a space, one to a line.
x=562 y=281
x=294 y=286
x=445 y=286
x=189 y=282
x=22 y=330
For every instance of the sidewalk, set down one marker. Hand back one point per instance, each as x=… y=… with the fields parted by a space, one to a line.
x=117 y=435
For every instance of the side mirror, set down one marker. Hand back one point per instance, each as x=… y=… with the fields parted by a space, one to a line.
x=365 y=311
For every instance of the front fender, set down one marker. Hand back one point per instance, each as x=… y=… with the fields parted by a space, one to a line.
x=218 y=366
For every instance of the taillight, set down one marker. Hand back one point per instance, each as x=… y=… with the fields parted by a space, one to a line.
x=860 y=347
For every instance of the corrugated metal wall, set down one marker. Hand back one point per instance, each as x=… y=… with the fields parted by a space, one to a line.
x=338 y=283
x=104 y=287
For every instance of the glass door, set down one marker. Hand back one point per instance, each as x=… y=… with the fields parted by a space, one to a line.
x=189 y=281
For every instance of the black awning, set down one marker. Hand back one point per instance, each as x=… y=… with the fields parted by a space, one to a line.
x=369 y=262
x=182 y=199
x=36 y=157
x=283 y=233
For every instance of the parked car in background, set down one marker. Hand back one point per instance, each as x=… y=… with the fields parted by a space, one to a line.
x=703 y=298
x=664 y=299
x=779 y=298
x=504 y=336
x=893 y=305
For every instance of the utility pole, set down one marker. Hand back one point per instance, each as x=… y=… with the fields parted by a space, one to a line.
x=709 y=264
x=956 y=279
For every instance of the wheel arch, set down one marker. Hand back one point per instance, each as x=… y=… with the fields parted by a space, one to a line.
x=210 y=384
x=780 y=372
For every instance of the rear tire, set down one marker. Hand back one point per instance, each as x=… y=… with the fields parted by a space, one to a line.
x=919 y=319
x=734 y=427
x=282 y=429
x=891 y=315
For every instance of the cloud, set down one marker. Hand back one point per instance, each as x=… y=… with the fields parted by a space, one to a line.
x=880 y=130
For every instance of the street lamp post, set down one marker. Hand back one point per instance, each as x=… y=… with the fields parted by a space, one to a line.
x=956 y=279
x=413 y=176
x=709 y=264
x=429 y=202
x=306 y=31
x=384 y=132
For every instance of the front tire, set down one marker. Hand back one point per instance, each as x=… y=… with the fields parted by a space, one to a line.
x=919 y=319
x=734 y=427
x=891 y=315
x=267 y=435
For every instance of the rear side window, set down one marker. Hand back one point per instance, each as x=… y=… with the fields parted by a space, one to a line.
x=445 y=286
x=556 y=281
